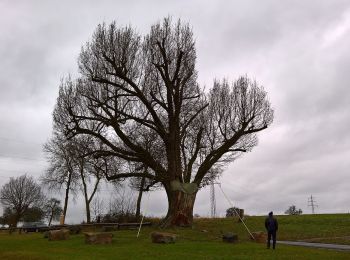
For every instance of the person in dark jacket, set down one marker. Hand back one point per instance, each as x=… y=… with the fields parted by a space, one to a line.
x=271 y=226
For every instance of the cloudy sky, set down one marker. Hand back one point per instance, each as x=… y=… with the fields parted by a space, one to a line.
x=299 y=51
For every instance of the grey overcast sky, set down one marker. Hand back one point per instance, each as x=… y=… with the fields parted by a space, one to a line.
x=298 y=49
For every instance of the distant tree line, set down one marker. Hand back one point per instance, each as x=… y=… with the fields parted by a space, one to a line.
x=23 y=200
x=292 y=210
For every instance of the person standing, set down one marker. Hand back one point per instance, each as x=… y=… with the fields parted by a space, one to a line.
x=271 y=226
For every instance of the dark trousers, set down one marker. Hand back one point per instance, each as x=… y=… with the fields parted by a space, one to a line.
x=273 y=235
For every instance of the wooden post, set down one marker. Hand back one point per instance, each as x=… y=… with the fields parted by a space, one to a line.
x=62 y=219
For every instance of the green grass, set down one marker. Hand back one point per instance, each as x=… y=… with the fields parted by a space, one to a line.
x=191 y=243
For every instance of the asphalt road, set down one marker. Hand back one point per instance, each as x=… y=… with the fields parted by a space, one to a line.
x=316 y=245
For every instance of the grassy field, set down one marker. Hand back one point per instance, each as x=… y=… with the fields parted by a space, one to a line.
x=203 y=241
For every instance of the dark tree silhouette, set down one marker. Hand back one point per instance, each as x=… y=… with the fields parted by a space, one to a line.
x=139 y=96
x=74 y=166
x=53 y=209
x=8 y=217
x=141 y=185
x=90 y=169
x=61 y=173
x=19 y=195
x=97 y=208
x=232 y=212
x=34 y=214
x=292 y=210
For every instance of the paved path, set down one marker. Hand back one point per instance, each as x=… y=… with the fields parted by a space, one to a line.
x=316 y=245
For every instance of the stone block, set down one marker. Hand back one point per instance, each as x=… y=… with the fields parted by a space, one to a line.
x=98 y=238
x=163 y=238
x=259 y=237
x=62 y=234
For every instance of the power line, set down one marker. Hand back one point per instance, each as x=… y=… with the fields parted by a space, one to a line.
x=311 y=203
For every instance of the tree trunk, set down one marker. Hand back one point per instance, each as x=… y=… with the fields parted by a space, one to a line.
x=88 y=217
x=139 y=198
x=51 y=216
x=180 y=209
x=66 y=197
x=16 y=219
x=87 y=203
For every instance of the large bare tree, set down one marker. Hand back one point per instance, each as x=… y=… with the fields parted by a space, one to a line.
x=91 y=168
x=20 y=195
x=74 y=166
x=139 y=96
x=61 y=173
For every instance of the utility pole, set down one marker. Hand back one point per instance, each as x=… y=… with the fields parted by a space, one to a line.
x=212 y=199
x=312 y=204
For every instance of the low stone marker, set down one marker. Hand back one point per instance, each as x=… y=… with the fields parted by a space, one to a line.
x=230 y=238
x=62 y=234
x=98 y=238
x=259 y=237
x=163 y=238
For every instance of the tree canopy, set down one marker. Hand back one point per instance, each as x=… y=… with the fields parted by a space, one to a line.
x=20 y=195
x=140 y=98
